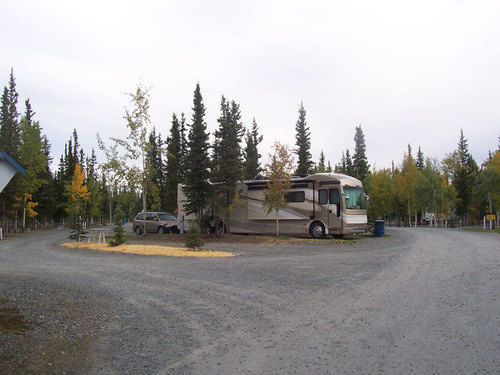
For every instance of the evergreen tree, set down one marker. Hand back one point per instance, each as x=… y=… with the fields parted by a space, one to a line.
x=10 y=135
x=360 y=163
x=464 y=178
x=303 y=143
x=251 y=165
x=349 y=166
x=420 y=159
x=227 y=156
x=174 y=166
x=154 y=170
x=10 y=141
x=321 y=167
x=32 y=156
x=196 y=185
x=184 y=145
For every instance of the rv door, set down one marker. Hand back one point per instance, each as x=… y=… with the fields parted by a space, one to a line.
x=334 y=220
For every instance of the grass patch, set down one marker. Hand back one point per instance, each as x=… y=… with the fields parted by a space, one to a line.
x=149 y=250
x=495 y=230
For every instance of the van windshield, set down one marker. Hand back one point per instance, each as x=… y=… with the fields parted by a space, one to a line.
x=165 y=217
x=356 y=199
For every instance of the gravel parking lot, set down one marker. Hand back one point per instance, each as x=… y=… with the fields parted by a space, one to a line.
x=417 y=301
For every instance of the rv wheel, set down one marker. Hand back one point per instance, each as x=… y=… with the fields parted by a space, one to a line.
x=138 y=230
x=221 y=228
x=317 y=230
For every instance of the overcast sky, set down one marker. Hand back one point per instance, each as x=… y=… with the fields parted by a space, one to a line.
x=407 y=71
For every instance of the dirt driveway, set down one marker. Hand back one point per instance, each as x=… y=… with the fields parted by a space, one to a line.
x=420 y=300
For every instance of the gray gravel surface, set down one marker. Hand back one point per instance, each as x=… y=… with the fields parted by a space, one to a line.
x=418 y=301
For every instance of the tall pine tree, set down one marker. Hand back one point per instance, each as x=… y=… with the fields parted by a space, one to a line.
x=196 y=176
x=360 y=163
x=464 y=177
x=227 y=156
x=303 y=143
x=155 y=170
x=10 y=134
x=420 y=159
x=251 y=165
x=349 y=167
x=174 y=165
x=321 y=167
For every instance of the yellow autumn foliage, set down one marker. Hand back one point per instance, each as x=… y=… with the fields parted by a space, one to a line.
x=77 y=190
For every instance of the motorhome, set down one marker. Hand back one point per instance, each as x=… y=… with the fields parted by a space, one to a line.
x=318 y=204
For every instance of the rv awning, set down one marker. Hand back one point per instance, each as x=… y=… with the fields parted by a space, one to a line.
x=8 y=168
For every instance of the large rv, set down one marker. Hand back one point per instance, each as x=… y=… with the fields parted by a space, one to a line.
x=319 y=204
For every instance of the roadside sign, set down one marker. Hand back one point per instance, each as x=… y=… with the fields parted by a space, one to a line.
x=490 y=217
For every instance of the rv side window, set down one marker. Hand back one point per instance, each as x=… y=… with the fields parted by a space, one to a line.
x=334 y=196
x=140 y=217
x=322 y=196
x=295 y=196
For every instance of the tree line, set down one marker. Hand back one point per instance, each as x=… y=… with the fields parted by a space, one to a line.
x=142 y=170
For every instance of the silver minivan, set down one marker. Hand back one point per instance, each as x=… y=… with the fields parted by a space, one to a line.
x=155 y=222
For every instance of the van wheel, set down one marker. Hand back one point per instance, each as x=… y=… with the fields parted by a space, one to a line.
x=138 y=230
x=162 y=230
x=317 y=230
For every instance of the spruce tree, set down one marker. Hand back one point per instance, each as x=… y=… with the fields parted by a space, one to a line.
x=420 y=159
x=32 y=155
x=10 y=135
x=360 y=163
x=184 y=145
x=227 y=155
x=155 y=170
x=349 y=167
x=329 y=168
x=10 y=140
x=303 y=143
x=196 y=184
x=464 y=177
x=341 y=167
x=174 y=167
x=321 y=167
x=251 y=165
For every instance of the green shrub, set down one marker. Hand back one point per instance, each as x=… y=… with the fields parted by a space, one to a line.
x=77 y=228
x=118 y=232
x=193 y=239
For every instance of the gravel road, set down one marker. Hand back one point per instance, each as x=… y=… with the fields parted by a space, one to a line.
x=420 y=300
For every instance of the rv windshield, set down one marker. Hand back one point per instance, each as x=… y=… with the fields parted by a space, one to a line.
x=356 y=199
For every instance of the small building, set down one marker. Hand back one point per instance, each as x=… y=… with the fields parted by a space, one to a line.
x=8 y=168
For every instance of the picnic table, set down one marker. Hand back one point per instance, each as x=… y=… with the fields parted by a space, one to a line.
x=99 y=233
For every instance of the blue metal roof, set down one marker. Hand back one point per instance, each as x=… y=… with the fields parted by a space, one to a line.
x=5 y=156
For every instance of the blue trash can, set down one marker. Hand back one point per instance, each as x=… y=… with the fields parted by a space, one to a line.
x=379 y=228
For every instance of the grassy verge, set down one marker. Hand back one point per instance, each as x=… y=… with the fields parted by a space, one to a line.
x=148 y=250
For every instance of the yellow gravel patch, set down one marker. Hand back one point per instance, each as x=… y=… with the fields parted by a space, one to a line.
x=148 y=250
